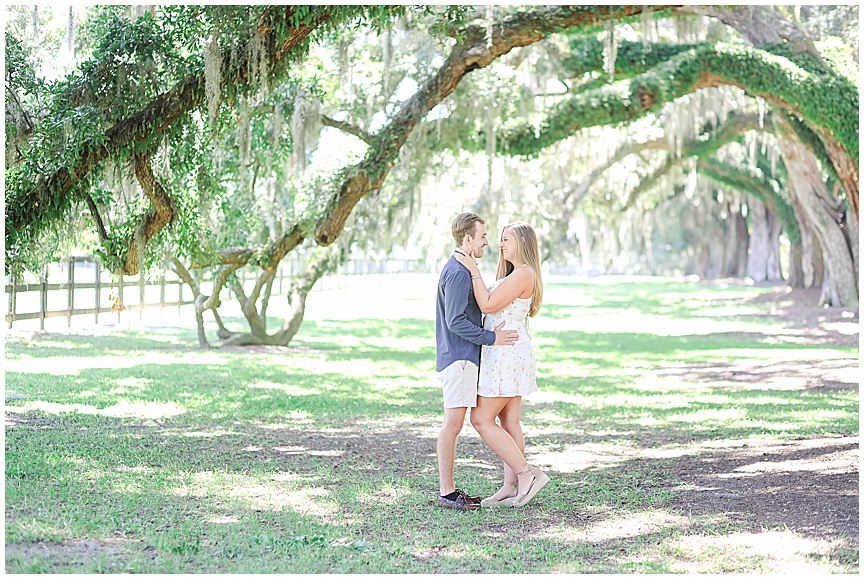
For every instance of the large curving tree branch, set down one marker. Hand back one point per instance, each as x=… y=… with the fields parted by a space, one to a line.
x=729 y=131
x=158 y=216
x=347 y=128
x=734 y=177
x=474 y=51
x=41 y=196
x=760 y=24
x=780 y=80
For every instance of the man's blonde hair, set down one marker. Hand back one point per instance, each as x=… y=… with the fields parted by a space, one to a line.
x=465 y=224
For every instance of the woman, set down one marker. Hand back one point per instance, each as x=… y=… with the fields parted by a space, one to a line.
x=507 y=373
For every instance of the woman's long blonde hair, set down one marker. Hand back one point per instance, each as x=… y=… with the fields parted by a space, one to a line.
x=528 y=252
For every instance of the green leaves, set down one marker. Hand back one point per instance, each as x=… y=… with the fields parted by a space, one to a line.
x=667 y=72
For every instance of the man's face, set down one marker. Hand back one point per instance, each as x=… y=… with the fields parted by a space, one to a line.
x=478 y=241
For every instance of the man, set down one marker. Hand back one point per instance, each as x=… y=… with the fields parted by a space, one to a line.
x=459 y=334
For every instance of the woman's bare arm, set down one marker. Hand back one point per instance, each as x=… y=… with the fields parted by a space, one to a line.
x=519 y=283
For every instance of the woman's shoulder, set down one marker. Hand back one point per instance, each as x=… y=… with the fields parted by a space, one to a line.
x=523 y=272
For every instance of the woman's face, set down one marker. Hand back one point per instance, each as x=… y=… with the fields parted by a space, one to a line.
x=508 y=245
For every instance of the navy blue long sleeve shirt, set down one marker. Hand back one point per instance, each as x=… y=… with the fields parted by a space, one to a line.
x=459 y=329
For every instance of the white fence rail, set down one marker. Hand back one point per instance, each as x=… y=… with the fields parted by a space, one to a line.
x=81 y=286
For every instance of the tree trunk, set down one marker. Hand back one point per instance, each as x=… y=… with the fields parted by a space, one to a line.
x=850 y=232
x=184 y=274
x=774 y=272
x=320 y=262
x=796 y=266
x=839 y=283
x=757 y=255
x=763 y=260
x=737 y=241
x=584 y=239
x=199 y=321
x=765 y=25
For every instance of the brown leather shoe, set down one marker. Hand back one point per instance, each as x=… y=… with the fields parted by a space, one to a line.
x=462 y=502
x=471 y=498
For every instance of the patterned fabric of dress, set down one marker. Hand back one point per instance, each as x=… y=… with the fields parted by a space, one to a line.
x=508 y=370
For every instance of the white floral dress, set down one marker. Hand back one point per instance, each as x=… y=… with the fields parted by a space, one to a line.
x=508 y=370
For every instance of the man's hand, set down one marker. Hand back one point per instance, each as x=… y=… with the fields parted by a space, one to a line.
x=505 y=337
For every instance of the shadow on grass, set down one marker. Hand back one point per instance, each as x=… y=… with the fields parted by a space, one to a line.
x=218 y=502
x=242 y=461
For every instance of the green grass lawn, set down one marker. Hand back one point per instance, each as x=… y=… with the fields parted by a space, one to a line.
x=136 y=452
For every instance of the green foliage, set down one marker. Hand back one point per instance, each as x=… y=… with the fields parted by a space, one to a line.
x=760 y=186
x=839 y=57
x=586 y=55
x=133 y=59
x=812 y=141
x=825 y=99
x=20 y=67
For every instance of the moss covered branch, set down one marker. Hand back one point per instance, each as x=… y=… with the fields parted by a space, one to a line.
x=38 y=195
x=472 y=52
x=828 y=102
x=757 y=185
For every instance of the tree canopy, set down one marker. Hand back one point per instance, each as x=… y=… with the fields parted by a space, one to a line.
x=220 y=137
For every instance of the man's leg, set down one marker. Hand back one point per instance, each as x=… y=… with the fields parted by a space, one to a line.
x=454 y=418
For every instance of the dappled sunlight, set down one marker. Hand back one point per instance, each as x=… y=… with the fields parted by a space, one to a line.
x=384 y=495
x=59 y=366
x=312 y=501
x=282 y=491
x=600 y=321
x=397 y=388
x=133 y=479
x=706 y=415
x=579 y=457
x=31 y=529
x=133 y=382
x=223 y=520
x=216 y=432
x=294 y=418
x=149 y=410
x=473 y=463
x=847 y=328
x=571 y=458
x=623 y=526
x=651 y=436
x=286 y=388
x=741 y=375
x=551 y=397
x=776 y=551
x=402 y=344
x=838 y=465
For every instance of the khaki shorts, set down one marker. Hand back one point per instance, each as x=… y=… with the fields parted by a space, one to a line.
x=460 y=384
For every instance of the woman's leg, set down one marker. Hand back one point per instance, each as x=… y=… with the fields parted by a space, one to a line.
x=510 y=417
x=499 y=440
x=510 y=422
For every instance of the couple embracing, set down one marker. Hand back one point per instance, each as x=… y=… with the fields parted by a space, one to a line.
x=488 y=365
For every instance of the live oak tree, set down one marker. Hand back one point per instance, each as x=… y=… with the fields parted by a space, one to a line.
x=778 y=64
x=148 y=82
x=186 y=133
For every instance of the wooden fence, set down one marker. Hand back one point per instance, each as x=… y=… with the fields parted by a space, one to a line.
x=81 y=286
